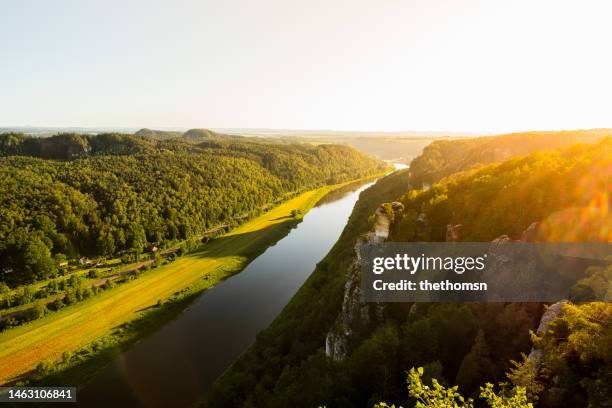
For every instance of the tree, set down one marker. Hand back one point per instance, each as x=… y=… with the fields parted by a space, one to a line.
x=44 y=367
x=576 y=358
x=157 y=258
x=438 y=396
x=59 y=259
x=125 y=191
x=476 y=365
x=37 y=258
x=106 y=243
x=37 y=311
x=517 y=399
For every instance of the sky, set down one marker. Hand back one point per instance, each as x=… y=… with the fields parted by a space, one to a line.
x=428 y=65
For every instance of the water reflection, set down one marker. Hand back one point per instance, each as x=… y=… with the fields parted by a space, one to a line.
x=177 y=364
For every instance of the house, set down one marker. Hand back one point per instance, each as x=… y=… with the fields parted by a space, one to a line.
x=152 y=248
x=63 y=264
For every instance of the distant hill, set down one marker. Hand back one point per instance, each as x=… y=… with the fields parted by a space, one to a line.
x=158 y=134
x=69 y=146
x=331 y=134
x=390 y=146
x=202 y=134
x=395 y=149
x=42 y=131
x=445 y=157
x=198 y=135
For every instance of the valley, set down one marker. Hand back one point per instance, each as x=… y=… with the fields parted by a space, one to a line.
x=72 y=328
x=276 y=334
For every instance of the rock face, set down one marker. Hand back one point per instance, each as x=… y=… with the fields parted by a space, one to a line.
x=422 y=227
x=530 y=234
x=384 y=216
x=555 y=310
x=453 y=232
x=501 y=272
x=356 y=315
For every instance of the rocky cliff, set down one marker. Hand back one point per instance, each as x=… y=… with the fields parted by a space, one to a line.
x=356 y=316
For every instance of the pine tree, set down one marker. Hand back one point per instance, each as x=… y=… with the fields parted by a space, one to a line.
x=477 y=366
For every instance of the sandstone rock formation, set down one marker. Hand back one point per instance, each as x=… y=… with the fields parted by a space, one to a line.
x=357 y=315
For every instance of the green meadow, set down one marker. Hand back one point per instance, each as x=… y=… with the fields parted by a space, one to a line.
x=50 y=339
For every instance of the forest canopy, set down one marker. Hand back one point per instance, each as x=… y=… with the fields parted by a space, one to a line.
x=71 y=195
x=566 y=192
x=557 y=189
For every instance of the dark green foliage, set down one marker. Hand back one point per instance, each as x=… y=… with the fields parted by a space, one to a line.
x=288 y=361
x=62 y=146
x=112 y=193
x=477 y=365
x=471 y=343
x=37 y=311
x=576 y=359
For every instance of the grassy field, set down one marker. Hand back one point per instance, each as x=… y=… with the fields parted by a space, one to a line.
x=74 y=327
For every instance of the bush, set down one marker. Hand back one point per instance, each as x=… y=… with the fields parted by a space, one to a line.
x=438 y=396
x=8 y=323
x=36 y=312
x=70 y=297
x=109 y=284
x=52 y=287
x=74 y=281
x=44 y=367
x=56 y=305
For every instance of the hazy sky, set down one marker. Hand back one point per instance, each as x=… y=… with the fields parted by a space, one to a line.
x=363 y=65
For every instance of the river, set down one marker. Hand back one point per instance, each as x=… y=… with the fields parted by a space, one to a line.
x=177 y=364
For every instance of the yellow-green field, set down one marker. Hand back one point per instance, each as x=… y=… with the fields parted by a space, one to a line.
x=45 y=339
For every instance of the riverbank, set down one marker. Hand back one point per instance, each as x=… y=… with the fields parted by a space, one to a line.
x=80 y=339
x=303 y=324
x=210 y=334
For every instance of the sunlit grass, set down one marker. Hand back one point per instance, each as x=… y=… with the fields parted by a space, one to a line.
x=45 y=339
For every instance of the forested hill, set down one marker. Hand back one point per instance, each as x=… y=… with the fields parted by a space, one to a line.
x=71 y=195
x=67 y=146
x=445 y=157
x=191 y=134
x=301 y=360
x=572 y=183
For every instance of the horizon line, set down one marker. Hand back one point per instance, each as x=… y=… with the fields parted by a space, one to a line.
x=264 y=130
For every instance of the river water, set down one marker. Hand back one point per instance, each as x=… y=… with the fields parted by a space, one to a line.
x=177 y=364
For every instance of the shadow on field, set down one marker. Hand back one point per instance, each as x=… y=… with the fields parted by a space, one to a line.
x=248 y=244
x=281 y=218
x=78 y=367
